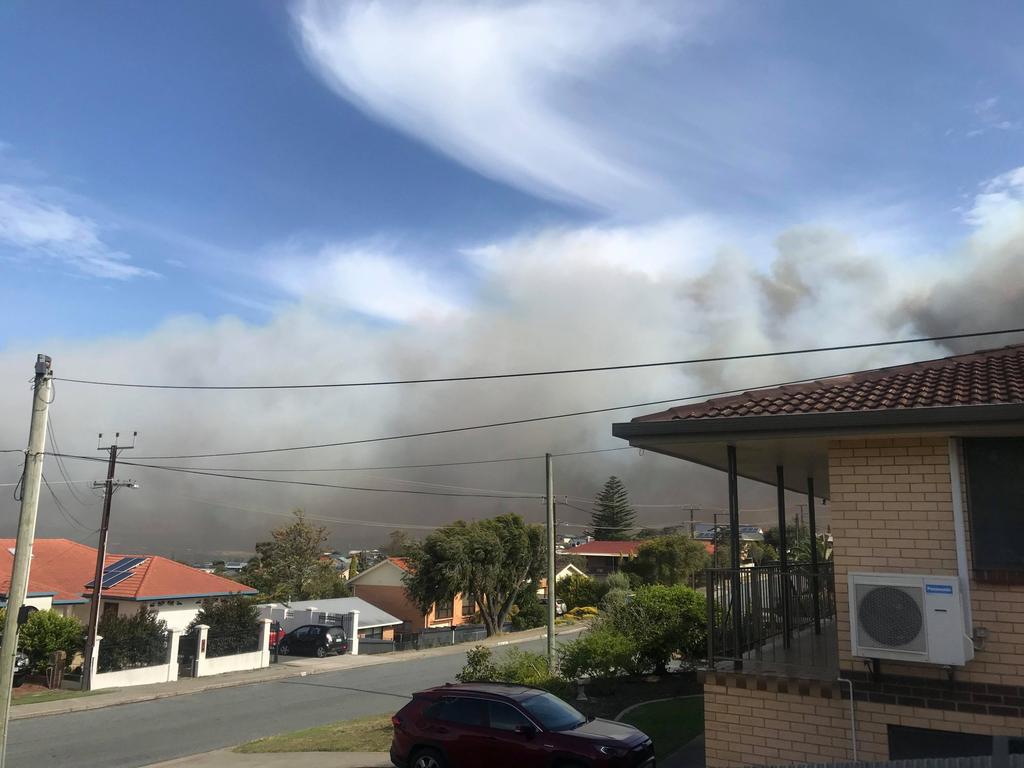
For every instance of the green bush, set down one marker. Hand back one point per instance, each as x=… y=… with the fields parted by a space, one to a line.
x=659 y=621
x=139 y=640
x=582 y=612
x=617 y=580
x=600 y=652
x=517 y=666
x=530 y=612
x=232 y=623
x=580 y=590
x=46 y=632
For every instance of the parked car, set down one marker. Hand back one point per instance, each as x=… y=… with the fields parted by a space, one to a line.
x=560 y=606
x=21 y=668
x=314 y=640
x=509 y=726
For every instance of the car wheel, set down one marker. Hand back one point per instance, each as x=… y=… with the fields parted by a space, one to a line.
x=283 y=649
x=321 y=652
x=427 y=758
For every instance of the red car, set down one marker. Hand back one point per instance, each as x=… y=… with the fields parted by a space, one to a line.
x=509 y=726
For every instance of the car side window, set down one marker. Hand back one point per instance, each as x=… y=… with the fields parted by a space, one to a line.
x=458 y=709
x=301 y=633
x=505 y=717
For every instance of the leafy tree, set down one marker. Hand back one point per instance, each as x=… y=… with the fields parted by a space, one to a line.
x=613 y=517
x=598 y=653
x=353 y=567
x=288 y=567
x=659 y=621
x=139 y=640
x=580 y=591
x=762 y=553
x=668 y=560
x=46 y=632
x=530 y=612
x=494 y=559
x=232 y=623
x=400 y=544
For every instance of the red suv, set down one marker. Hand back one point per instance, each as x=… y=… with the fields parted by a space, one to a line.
x=509 y=726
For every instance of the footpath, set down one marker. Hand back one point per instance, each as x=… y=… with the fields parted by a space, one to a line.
x=289 y=666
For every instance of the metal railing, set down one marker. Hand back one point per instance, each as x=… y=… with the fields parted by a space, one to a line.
x=769 y=616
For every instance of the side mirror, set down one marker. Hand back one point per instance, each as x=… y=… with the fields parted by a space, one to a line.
x=526 y=730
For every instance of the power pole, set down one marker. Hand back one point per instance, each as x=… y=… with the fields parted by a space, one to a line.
x=108 y=486
x=41 y=395
x=550 y=494
x=691 y=523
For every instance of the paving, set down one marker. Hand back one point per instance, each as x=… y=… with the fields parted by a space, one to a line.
x=225 y=758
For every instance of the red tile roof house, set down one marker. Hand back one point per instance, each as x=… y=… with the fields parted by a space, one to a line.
x=923 y=617
x=603 y=558
x=61 y=569
x=381 y=585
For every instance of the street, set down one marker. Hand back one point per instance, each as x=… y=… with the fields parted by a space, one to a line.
x=153 y=731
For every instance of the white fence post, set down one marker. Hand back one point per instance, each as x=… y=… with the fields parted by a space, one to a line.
x=265 y=642
x=203 y=631
x=172 y=655
x=353 y=640
x=95 y=661
x=311 y=617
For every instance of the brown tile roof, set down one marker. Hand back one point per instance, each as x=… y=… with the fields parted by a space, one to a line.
x=606 y=548
x=65 y=567
x=987 y=377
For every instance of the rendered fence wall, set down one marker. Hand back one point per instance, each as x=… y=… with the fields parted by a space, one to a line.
x=239 y=662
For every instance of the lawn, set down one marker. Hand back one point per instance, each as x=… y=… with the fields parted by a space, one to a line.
x=670 y=723
x=367 y=734
x=41 y=696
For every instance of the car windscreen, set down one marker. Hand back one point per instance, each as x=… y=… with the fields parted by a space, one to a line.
x=553 y=713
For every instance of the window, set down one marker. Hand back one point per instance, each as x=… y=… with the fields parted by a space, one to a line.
x=468 y=604
x=458 y=709
x=110 y=609
x=995 y=490
x=375 y=633
x=443 y=608
x=553 y=713
x=506 y=718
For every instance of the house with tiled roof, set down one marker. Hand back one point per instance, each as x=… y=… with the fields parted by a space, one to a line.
x=61 y=578
x=603 y=558
x=382 y=585
x=909 y=641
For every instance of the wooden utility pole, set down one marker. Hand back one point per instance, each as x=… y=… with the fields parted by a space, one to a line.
x=108 y=486
x=550 y=494
x=42 y=390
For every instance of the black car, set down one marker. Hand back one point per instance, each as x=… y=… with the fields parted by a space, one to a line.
x=314 y=640
x=509 y=726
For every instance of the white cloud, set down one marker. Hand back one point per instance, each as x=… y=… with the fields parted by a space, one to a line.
x=494 y=85
x=33 y=227
x=366 y=281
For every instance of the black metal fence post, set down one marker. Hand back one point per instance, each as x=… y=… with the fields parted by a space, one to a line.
x=815 y=580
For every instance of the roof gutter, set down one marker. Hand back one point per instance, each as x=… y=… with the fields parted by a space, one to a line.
x=940 y=419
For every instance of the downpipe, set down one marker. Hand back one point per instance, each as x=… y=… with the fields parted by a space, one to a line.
x=853 y=717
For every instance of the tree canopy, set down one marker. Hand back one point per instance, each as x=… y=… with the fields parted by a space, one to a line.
x=668 y=560
x=288 y=567
x=493 y=560
x=613 y=519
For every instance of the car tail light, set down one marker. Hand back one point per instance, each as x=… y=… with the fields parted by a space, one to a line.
x=396 y=720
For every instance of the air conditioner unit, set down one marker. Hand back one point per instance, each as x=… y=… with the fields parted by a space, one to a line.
x=908 y=618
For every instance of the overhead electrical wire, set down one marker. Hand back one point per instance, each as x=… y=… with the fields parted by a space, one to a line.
x=492 y=425
x=549 y=372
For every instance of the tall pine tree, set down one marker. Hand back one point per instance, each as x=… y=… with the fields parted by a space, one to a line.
x=613 y=519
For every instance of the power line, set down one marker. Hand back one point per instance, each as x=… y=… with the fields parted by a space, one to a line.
x=492 y=495
x=492 y=425
x=65 y=513
x=550 y=372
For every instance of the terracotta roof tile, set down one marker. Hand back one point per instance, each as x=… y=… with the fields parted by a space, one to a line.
x=607 y=548
x=987 y=377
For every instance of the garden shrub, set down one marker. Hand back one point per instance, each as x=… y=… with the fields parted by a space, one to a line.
x=583 y=612
x=618 y=580
x=580 y=590
x=139 y=640
x=529 y=611
x=660 y=621
x=517 y=666
x=233 y=625
x=46 y=632
x=599 y=652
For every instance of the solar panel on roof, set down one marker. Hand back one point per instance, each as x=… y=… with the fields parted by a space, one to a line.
x=113 y=579
x=124 y=564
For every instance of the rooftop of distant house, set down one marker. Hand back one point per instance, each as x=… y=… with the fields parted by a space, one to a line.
x=606 y=549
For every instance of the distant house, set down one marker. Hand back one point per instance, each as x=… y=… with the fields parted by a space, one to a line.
x=382 y=586
x=62 y=574
x=603 y=558
x=564 y=573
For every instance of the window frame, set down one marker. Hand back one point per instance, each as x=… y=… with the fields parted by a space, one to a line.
x=449 y=611
x=983 y=566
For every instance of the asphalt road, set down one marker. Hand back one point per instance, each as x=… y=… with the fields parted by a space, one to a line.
x=152 y=731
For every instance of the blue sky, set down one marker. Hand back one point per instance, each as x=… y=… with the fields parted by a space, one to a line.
x=197 y=139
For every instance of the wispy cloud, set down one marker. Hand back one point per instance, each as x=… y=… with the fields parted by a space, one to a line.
x=501 y=88
x=32 y=227
x=989 y=116
x=364 y=280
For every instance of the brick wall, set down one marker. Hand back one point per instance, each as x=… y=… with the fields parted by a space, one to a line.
x=765 y=727
x=892 y=512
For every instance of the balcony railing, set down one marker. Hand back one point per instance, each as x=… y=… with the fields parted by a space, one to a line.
x=773 y=620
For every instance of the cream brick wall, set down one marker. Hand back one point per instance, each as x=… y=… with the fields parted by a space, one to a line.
x=892 y=511
x=750 y=727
